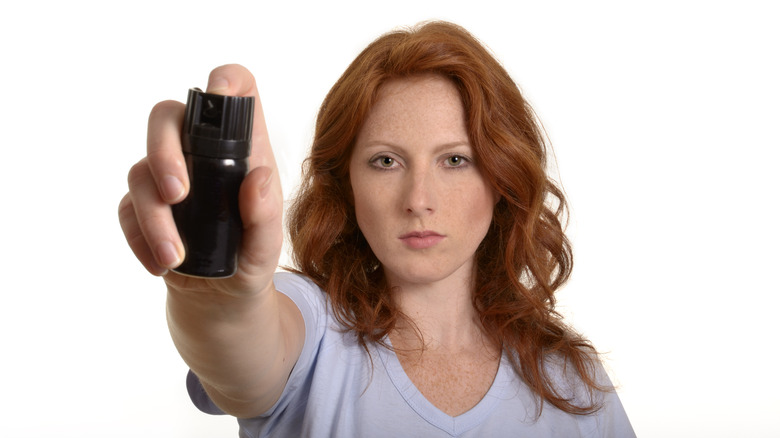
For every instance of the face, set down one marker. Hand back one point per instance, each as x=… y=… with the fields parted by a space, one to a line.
x=420 y=200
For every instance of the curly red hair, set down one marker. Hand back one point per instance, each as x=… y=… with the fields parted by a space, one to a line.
x=523 y=259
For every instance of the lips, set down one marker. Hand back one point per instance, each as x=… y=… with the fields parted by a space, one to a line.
x=421 y=239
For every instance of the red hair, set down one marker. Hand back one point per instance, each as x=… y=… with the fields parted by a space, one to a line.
x=523 y=259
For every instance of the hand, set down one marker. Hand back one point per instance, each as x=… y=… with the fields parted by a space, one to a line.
x=160 y=180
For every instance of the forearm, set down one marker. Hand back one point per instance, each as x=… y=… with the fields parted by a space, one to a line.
x=241 y=348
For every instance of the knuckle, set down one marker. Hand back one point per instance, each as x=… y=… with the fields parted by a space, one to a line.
x=126 y=208
x=153 y=225
x=158 y=156
x=162 y=108
x=138 y=173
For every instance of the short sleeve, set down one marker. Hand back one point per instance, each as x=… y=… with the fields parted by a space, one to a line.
x=311 y=302
x=199 y=397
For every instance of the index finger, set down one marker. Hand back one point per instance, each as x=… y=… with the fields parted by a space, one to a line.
x=163 y=149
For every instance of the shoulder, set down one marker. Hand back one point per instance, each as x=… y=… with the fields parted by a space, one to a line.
x=610 y=418
x=311 y=301
x=294 y=282
x=309 y=297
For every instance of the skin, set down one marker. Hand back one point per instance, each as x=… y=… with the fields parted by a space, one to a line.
x=424 y=207
x=413 y=170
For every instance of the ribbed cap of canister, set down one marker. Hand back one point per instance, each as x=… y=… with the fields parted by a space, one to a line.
x=218 y=126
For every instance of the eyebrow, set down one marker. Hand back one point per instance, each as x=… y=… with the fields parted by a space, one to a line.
x=437 y=148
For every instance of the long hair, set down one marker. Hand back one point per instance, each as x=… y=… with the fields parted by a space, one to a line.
x=525 y=255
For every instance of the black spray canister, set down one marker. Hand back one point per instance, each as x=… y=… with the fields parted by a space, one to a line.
x=216 y=141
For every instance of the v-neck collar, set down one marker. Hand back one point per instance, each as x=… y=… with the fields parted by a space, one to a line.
x=454 y=426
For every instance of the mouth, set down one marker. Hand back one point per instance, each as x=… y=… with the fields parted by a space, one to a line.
x=421 y=239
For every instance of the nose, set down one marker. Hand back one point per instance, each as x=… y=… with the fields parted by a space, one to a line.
x=419 y=192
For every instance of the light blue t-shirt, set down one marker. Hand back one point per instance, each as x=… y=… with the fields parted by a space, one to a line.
x=335 y=390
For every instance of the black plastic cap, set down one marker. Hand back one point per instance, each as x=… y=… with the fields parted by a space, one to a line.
x=218 y=126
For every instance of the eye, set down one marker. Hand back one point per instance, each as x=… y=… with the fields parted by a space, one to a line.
x=456 y=161
x=383 y=162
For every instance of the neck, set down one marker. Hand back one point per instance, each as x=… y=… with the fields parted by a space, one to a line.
x=439 y=316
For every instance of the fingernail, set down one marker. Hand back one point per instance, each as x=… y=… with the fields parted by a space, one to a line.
x=158 y=271
x=167 y=255
x=217 y=85
x=173 y=189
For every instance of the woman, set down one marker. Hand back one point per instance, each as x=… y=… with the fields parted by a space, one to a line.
x=428 y=246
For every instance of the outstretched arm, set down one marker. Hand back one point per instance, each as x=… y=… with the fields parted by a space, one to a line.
x=238 y=334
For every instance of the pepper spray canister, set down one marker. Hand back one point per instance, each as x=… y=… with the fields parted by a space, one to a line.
x=216 y=141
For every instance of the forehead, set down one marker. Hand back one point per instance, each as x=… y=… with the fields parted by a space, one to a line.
x=424 y=103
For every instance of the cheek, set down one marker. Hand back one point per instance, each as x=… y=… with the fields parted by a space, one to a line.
x=482 y=214
x=368 y=212
x=361 y=213
x=480 y=204
x=474 y=194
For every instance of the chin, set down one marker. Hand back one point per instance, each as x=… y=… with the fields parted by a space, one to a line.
x=424 y=273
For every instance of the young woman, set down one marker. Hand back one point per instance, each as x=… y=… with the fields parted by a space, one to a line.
x=427 y=243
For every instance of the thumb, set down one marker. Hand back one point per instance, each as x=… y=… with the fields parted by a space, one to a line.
x=260 y=200
x=236 y=80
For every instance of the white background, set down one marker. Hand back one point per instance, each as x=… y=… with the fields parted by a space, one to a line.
x=663 y=116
